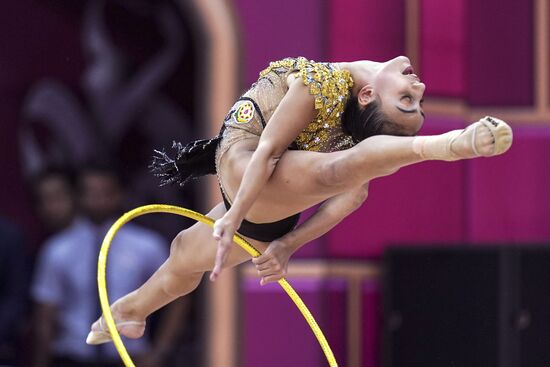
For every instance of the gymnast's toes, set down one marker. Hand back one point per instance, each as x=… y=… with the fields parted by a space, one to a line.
x=128 y=326
x=502 y=132
x=484 y=141
x=486 y=137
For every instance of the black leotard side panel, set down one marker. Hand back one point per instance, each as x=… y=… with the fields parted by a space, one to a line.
x=265 y=232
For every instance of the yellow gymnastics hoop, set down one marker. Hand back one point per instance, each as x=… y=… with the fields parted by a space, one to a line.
x=159 y=208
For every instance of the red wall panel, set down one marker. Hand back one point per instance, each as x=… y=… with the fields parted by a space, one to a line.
x=509 y=196
x=365 y=29
x=500 y=52
x=272 y=31
x=443 y=47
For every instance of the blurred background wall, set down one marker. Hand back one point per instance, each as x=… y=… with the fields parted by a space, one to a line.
x=176 y=75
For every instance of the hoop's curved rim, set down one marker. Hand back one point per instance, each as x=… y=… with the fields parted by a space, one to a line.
x=161 y=208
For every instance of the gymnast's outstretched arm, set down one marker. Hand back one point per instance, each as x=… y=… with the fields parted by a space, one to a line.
x=272 y=264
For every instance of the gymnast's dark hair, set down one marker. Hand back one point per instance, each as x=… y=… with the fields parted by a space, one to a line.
x=192 y=161
x=363 y=122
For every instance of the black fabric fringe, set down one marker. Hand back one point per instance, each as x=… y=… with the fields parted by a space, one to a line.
x=192 y=161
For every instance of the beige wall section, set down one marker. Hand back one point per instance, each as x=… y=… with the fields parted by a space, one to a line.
x=412 y=32
x=354 y=346
x=221 y=75
x=541 y=28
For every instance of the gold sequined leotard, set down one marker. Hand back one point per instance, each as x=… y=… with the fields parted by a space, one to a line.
x=330 y=86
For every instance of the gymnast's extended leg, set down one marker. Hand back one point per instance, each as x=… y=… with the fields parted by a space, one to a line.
x=327 y=174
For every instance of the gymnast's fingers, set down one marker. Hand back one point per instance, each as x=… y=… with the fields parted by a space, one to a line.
x=272 y=273
x=226 y=240
x=264 y=266
x=217 y=231
x=262 y=259
x=221 y=256
x=271 y=279
x=269 y=271
x=262 y=262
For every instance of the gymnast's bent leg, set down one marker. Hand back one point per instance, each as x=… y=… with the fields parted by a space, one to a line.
x=191 y=254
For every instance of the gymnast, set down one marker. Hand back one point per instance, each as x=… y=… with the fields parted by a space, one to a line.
x=305 y=133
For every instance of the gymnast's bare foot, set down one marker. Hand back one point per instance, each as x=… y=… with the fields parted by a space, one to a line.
x=486 y=137
x=128 y=325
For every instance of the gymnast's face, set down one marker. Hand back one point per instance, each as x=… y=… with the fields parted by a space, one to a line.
x=400 y=93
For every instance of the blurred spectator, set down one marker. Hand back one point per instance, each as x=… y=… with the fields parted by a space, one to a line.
x=65 y=288
x=54 y=198
x=13 y=291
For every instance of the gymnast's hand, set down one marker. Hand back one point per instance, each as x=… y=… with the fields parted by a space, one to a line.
x=224 y=230
x=272 y=264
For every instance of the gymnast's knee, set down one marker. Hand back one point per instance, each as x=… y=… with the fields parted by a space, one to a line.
x=181 y=252
x=178 y=243
x=185 y=259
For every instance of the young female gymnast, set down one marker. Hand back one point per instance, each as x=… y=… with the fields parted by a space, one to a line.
x=305 y=133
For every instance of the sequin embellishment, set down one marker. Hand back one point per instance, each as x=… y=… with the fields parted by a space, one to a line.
x=242 y=112
x=331 y=89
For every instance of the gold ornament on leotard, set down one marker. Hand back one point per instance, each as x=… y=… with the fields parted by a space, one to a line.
x=158 y=208
x=331 y=88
